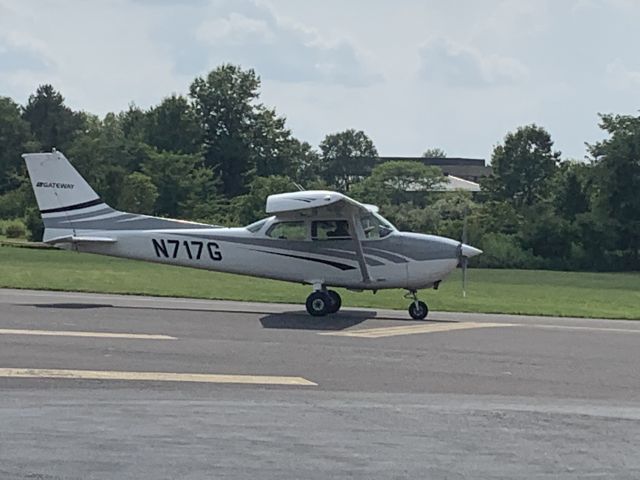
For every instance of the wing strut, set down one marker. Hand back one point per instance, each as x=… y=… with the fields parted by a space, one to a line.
x=359 y=253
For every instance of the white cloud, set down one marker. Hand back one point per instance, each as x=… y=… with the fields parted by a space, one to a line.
x=252 y=34
x=619 y=76
x=446 y=62
x=235 y=29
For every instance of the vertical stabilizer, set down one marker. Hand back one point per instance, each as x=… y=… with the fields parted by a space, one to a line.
x=61 y=192
x=57 y=185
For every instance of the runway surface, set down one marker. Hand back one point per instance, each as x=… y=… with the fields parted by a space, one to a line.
x=107 y=386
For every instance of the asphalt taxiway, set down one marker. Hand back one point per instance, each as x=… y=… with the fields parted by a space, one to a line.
x=107 y=386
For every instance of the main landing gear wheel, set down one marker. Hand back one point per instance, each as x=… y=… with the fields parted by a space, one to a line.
x=318 y=304
x=418 y=310
x=336 y=301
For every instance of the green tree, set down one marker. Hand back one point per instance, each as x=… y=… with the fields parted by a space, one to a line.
x=434 y=153
x=250 y=207
x=346 y=157
x=105 y=156
x=53 y=124
x=224 y=102
x=138 y=194
x=134 y=123
x=307 y=165
x=453 y=209
x=397 y=182
x=617 y=167
x=173 y=126
x=547 y=234
x=571 y=189
x=523 y=167
x=242 y=138
x=273 y=148
x=409 y=218
x=15 y=139
x=182 y=181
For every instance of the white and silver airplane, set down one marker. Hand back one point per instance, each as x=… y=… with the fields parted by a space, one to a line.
x=319 y=238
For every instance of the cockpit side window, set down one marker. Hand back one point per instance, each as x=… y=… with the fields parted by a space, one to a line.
x=288 y=231
x=374 y=226
x=330 y=230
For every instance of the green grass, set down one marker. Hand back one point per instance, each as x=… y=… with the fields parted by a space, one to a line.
x=534 y=292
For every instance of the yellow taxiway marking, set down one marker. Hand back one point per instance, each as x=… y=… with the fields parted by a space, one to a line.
x=152 y=376
x=413 y=329
x=62 y=333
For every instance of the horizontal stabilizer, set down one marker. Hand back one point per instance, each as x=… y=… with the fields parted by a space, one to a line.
x=75 y=239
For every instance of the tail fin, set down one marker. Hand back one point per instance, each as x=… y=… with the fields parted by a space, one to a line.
x=57 y=185
x=62 y=194
x=70 y=207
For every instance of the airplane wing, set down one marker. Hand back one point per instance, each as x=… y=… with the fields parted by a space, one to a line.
x=309 y=200
x=316 y=201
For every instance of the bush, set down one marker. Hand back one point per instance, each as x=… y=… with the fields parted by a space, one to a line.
x=504 y=251
x=33 y=221
x=14 y=229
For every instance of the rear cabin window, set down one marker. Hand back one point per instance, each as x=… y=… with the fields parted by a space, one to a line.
x=330 y=230
x=288 y=231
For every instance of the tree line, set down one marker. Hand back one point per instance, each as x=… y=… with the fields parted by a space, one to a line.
x=215 y=154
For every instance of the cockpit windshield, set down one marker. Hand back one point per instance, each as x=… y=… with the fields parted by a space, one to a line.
x=256 y=226
x=376 y=226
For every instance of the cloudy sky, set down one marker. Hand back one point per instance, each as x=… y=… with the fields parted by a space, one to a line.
x=412 y=74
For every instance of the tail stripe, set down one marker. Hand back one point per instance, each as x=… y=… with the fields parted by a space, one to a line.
x=77 y=206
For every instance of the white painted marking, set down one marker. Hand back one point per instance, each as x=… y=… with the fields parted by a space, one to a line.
x=70 y=333
x=594 y=329
x=413 y=329
x=152 y=376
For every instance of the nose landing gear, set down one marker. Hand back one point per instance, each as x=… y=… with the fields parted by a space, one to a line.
x=417 y=309
x=323 y=302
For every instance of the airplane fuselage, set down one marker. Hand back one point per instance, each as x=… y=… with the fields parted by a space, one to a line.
x=400 y=260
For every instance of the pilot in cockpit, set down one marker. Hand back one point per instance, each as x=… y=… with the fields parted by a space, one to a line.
x=341 y=230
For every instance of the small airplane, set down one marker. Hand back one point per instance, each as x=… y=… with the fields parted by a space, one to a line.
x=319 y=238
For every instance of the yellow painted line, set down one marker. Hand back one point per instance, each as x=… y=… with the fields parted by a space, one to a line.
x=413 y=329
x=62 y=333
x=152 y=376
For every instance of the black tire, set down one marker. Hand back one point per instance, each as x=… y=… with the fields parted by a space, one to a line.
x=336 y=301
x=318 y=304
x=418 y=312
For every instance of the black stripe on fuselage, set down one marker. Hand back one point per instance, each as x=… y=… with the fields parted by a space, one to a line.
x=341 y=266
x=77 y=206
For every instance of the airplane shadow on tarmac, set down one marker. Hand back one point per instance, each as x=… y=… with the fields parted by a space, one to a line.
x=301 y=320
x=70 y=306
x=296 y=320
x=292 y=320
